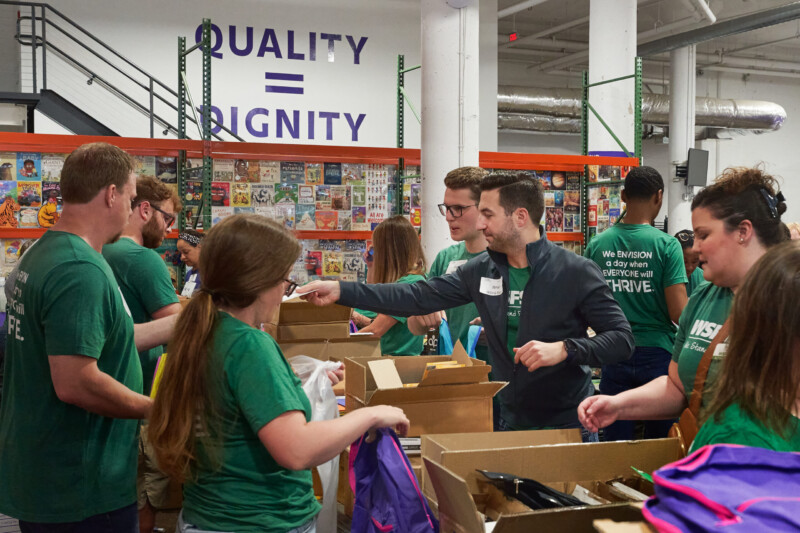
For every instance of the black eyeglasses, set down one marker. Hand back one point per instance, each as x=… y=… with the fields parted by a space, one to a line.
x=685 y=236
x=292 y=285
x=454 y=210
x=169 y=218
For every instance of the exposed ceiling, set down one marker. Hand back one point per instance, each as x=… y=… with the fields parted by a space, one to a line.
x=553 y=39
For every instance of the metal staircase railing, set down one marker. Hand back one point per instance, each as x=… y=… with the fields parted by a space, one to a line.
x=61 y=55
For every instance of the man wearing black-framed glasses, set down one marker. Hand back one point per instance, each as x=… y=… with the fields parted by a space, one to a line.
x=147 y=287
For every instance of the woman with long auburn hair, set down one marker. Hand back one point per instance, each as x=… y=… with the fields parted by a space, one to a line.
x=735 y=220
x=231 y=420
x=397 y=258
x=756 y=398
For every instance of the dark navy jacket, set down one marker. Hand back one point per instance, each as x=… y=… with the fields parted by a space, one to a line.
x=566 y=294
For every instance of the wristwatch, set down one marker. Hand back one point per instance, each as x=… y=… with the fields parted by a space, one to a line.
x=572 y=350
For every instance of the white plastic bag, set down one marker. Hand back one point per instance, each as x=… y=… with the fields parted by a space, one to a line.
x=313 y=373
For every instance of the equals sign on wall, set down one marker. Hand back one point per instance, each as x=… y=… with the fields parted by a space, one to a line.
x=283 y=88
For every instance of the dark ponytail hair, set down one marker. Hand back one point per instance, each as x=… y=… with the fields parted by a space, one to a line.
x=743 y=193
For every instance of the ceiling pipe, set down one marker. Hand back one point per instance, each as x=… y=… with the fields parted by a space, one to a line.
x=530 y=39
x=701 y=10
x=516 y=8
x=752 y=21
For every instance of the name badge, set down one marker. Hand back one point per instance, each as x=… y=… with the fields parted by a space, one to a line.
x=491 y=287
x=453 y=266
x=721 y=349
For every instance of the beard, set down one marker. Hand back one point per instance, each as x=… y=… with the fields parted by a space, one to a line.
x=506 y=240
x=152 y=235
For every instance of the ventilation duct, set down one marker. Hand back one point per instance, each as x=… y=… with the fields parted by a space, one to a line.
x=559 y=111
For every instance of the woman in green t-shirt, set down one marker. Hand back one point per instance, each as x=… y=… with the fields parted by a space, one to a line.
x=230 y=419
x=397 y=258
x=755 y=401
x=735 y=219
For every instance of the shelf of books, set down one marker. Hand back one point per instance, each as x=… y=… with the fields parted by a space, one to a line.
x=331 y=196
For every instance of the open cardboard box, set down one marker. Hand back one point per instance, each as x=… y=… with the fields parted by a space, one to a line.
x=437 y=447
x=446 y=400
x=334 y=349
x=297 y=319
x=459 y=494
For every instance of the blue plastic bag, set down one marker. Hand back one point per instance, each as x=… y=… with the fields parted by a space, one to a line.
x=445 y=341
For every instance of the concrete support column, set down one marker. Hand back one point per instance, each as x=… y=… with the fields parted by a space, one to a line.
x=450 y=105
x=612 y=50
x=681 y=134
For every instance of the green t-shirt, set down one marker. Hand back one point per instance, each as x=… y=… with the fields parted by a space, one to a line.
x=737 y=426
x=458 y=318
x=639 y=262
x=518 y=278
x=702 y=318
x=399 y=340
x=695 y=280
x=146 y=286
x=58 y=462
x=248 y=490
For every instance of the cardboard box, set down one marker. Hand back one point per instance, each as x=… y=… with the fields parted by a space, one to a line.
x=297 y=319
x=562 y=466
x=334 y=349
x=446 y=401
x=438 y=447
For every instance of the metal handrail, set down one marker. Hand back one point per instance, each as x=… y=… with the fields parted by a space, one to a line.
x=36 y=41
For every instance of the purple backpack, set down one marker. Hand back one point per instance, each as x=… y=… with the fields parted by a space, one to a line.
x=387 y=496
x=727 y=488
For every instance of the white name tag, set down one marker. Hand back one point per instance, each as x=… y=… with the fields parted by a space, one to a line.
x=189 y=286
x=453 y=266
x=492 y=287
x=721 y=349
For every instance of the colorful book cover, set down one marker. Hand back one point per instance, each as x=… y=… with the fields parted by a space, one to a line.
x=305 y=195
x=194 y=193
x=167 y=169
x=559 y=198
x=572 y=201
x=322 y=197
x=594 y=171
x=240 y=194
x=304 y=217
x=573 y=181
x=223 y=169
x=623 y=172
x=340 y=197
x=293 y=172
x=555 y=219
x=351 y=172
x=359 y=217
x=602 y=204
x=332 y=174
x=326 y=220
x=330 y=245
x=354 y=245
x=220 y=213
x=194 y=219
x=29 y=217
x=8 y=188
x=549 y=198
x=594 y=195
x=576 y=222
x=270 y=171
x=51 y=191
x=264 y=211
x=8 y=166
x=145 y=165
x=545 y=178
x=29 y=167
x=284 y=214
x=220 y=194
x=416 y=196
x=314 y=173
x=602 y=224
x=344 y=221
x=613 y=215
x=415 y=217
x=242 y=171
x=262 y=195
x=558 y=180
x=332 y=264
x=568 y=222
x=52 y=165
x=313 y=263
x=608 y=173
x=244 y=210
x=352 y=263
x=29 y=194
x=286 y=193
x=592 y=221
x=358 y=194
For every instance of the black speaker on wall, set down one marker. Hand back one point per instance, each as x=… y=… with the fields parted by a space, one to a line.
x=697 y=168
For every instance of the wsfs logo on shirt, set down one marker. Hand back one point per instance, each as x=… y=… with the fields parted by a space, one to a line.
x=705 y=329
x=515 y=298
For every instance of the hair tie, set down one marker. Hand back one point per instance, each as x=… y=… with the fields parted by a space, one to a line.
x=772 y=201
x=194 y=240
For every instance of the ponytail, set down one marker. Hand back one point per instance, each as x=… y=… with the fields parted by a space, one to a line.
x=185 y=404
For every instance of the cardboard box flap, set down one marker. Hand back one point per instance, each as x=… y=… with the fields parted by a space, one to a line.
x=453 y=376
x=461 y=355
x=297 y=311
x=426 y=394
x=385 y=374
x=453 y=498
x=572 y=519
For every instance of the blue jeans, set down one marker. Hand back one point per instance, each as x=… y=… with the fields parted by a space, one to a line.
x=184 y=527
x=125 y=520
x=645 y=365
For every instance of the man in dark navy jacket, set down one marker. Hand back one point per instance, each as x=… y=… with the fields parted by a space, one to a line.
x=535 y=300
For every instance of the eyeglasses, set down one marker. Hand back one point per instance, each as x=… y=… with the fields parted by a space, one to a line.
x=292 y=285
x=454 y=210
x=685 y=236
x=169 y=218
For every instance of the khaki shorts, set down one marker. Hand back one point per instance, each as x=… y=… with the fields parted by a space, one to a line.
x=152 y=485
